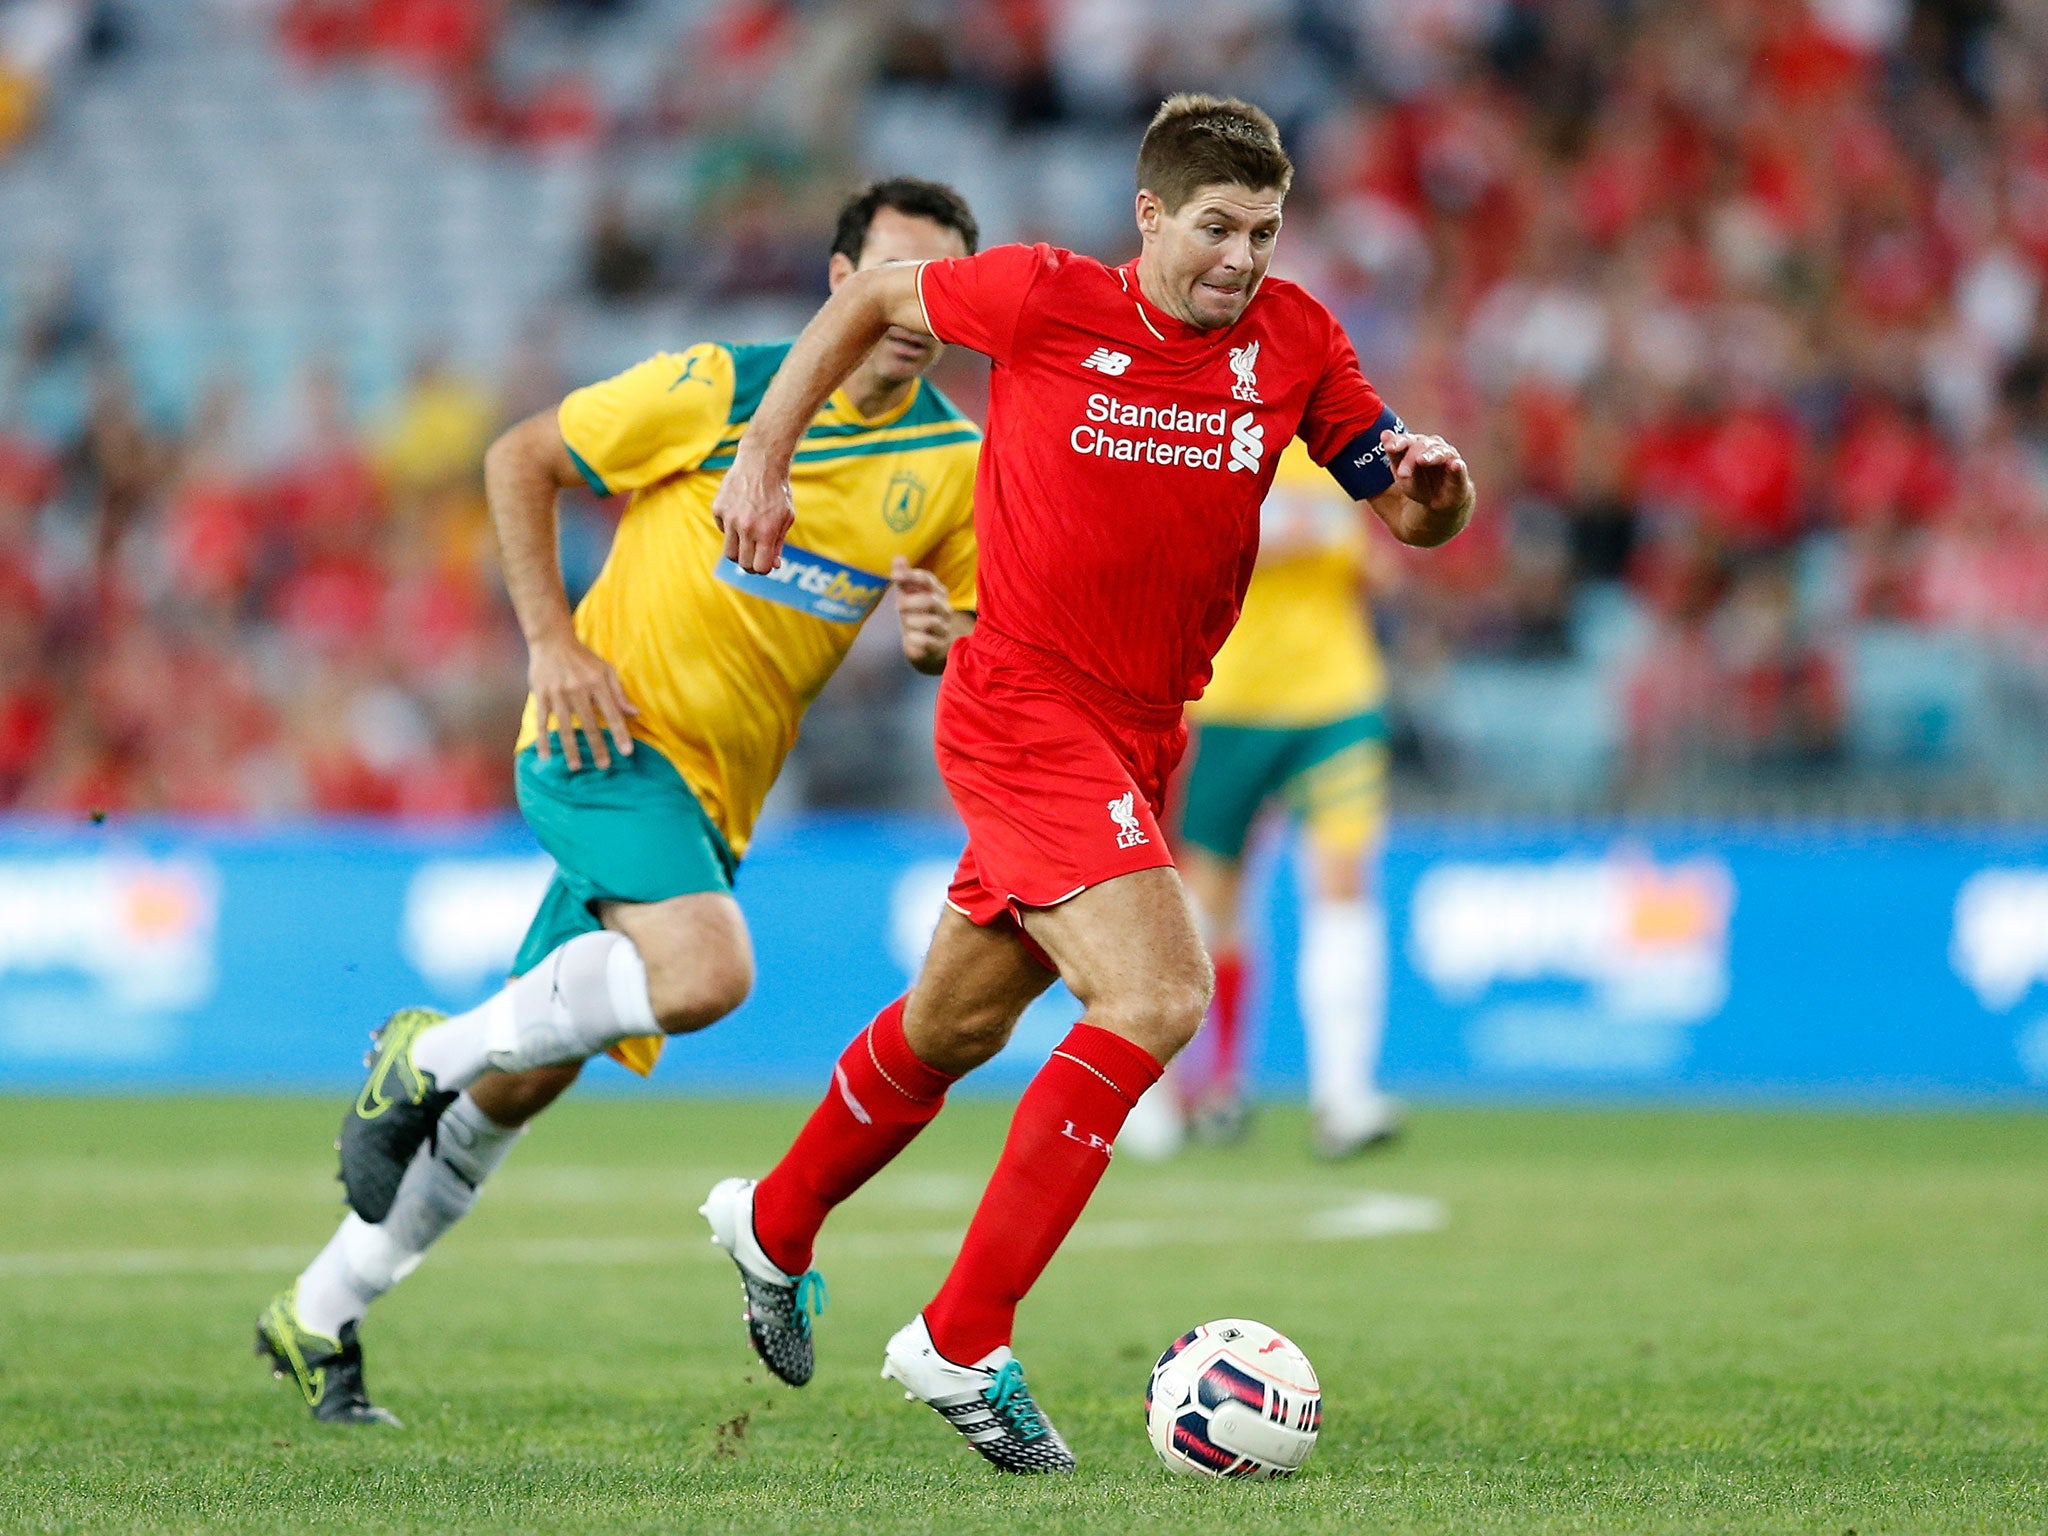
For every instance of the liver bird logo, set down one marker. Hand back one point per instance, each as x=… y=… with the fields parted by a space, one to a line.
x=1244 y=362
x=1124 y=812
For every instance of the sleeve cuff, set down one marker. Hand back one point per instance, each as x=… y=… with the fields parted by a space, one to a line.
x=923 y=308
x=590 y=476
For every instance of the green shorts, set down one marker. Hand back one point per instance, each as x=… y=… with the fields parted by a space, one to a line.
x=630 y=832
x=1333 y=775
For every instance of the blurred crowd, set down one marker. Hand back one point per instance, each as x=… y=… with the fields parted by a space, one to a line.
x=1735 y=306
x=198 y=622
x=1738 y=304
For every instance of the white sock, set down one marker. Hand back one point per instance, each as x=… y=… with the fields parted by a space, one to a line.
x=586 y=996
x=361 y=1262
x=1343 y=987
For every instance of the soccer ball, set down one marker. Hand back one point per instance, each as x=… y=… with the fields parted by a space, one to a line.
x=1233 y=1399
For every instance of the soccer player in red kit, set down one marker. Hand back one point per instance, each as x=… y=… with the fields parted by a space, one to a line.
x=1136 y=415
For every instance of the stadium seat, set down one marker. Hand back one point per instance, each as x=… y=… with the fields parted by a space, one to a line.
x=1548 y=728
x=1917 y=698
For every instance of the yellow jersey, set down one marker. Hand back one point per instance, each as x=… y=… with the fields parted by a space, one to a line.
x=721 y=663
x=1303 y=651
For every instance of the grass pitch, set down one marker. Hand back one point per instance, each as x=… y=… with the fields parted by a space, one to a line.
x=1676 y=1321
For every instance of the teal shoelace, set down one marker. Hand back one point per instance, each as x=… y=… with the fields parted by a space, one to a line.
x=1010 y=1400
x=810 y=1299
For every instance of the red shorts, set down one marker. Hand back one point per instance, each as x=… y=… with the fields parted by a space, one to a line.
x=1061 y=787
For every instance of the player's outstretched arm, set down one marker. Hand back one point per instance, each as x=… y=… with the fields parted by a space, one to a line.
x=926 y=614
x=1432 y=496
x=523 y=471
x=753 y=505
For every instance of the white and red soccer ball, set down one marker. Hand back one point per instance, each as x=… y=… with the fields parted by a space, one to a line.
x=1233 y=1399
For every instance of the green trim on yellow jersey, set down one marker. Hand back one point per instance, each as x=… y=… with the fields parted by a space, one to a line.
x=753 y=367
x=873 y=442
x=926 y=408
x=590 y=476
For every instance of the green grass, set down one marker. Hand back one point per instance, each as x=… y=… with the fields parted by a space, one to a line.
x=1675 y=1321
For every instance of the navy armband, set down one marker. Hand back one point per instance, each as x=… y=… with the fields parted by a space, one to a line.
x=1361 y=465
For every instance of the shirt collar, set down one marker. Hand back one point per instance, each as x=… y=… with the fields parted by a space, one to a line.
x=841 y=404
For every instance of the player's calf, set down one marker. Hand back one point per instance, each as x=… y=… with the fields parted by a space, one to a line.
x=514 y=1098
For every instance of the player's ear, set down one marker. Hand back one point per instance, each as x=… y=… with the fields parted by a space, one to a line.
x=1149 y=213
x=838 y=270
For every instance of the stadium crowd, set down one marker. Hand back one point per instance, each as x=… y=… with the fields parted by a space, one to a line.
x=193 y=624
x=1735 y=307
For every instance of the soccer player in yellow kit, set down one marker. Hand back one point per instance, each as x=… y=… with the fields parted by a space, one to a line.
x=661 y=712
x=1292 y=717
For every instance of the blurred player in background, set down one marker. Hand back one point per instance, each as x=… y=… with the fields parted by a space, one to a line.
x=1292 y=718
x=661 y=712
x=1137 y=414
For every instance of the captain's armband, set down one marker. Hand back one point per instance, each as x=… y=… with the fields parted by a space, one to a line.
x=1361 y=465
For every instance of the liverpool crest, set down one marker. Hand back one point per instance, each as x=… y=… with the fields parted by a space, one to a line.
x=1244 y=362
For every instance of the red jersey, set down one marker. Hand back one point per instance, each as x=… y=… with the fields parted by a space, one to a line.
x=1117 y=503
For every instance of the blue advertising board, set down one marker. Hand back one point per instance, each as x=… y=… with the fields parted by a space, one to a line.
x=1547 y=963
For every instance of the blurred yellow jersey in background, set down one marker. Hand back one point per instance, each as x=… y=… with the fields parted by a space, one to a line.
x=722 y=663
x=1303 y=652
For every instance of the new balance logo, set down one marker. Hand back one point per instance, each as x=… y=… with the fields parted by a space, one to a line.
x=1124 y=812
x=1247 y=443
x=1106 y=361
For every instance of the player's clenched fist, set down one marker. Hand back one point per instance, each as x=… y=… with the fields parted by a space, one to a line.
x=925 y=613
x=1427 y=470
x=755 y=514
x=575 y=688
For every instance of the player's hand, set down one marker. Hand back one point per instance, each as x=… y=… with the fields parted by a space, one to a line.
x=925 y=612
x=574 y=686
x=1427 y=470
x=755 y=514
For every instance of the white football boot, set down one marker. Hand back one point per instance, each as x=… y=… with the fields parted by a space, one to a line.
x=779 y=1305
x=1372 y=1122
x=987 y=1402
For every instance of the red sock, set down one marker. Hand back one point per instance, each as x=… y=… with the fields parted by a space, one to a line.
x=1226 y=1028
x=1059 y=1146
x=881 y=1097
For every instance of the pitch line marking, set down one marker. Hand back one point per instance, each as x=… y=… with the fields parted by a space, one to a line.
x=1373 y=1215
x=1380 y=1215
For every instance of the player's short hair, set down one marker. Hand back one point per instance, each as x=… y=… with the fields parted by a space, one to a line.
x=1198 y=141
x=910 y=195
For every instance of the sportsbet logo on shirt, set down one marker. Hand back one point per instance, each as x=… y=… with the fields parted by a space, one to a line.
x=1219 y=440
x=811 y=584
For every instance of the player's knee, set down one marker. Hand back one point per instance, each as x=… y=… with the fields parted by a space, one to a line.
x=1183 y=1008
x=976 y=1036
x=690 y=994
x=1164 y=1015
